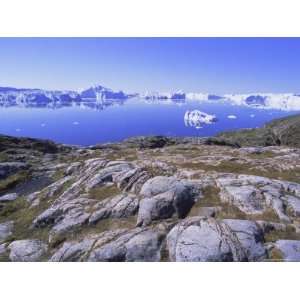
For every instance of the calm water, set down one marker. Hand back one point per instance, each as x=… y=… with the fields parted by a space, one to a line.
x=89 y=124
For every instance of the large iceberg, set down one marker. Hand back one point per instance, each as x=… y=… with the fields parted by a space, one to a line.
x=196 y=118
x=99 y=92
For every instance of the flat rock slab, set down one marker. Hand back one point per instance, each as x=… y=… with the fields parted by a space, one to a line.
x=255 y=195
x=208 y=239
x=139 y=244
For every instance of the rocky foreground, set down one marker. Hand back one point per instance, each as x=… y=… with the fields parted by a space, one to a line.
x=148 y=199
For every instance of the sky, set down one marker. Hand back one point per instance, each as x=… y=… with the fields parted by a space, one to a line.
x=208 y=65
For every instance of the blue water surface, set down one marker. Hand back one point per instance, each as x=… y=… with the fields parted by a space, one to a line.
x=90 y=124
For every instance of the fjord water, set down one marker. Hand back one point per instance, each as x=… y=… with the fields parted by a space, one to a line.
x=91 y=123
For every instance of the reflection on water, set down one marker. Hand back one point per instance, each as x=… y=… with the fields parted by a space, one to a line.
x=91 y=104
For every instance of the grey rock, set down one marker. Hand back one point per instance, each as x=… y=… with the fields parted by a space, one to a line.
x=207 y=239
x=250 y=236
x=160 y=184
x=287 y=250
x=156 y=208
x=50 y=191
x=73 y=251
x=136 y=245
x=65 y=217
x=131 y=180
x=74 y=167
x=6 y=230
x=106 y=174
x=165 y=196
x=74 y=219
x=27 y=250
x=80 y=250
x=9 y=197
x=121 y=206
x=119 y=245
x=256 y=195
x=293 y=205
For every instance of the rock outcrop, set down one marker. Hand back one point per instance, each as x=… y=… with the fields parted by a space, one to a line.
x=208 y=239
x=149 y=199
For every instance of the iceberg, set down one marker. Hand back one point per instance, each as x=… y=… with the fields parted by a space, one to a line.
x=197 y=118
x=232 y=117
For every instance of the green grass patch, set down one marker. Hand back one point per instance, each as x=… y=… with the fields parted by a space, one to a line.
x=13 y=180
x=101 y=193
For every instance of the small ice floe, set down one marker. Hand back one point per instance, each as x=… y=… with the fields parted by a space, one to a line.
x=18 y=129
x=197 y=118
x=252 y=115
x=232 y=117
x=43 y=125
x=75 y=123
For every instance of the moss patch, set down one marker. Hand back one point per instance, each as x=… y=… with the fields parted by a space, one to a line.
x=23 y=215
x=275 y=255
x=288 y=234
x=210 y=198
x=104 y=192
x=11 y=181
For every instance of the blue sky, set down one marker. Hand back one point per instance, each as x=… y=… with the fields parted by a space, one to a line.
x=216 y=65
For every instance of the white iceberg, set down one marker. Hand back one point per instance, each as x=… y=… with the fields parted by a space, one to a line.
x=197 y=118
x=232 y=117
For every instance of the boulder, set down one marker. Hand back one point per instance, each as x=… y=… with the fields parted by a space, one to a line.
x=135 y=245
x=71 y=251
x=27 y=250
x=208 y=239
x=165 y=197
